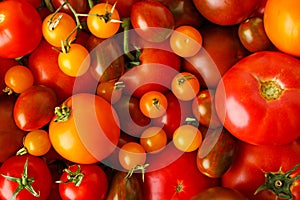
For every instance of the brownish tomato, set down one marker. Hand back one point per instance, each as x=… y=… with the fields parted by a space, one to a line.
x=220 y=193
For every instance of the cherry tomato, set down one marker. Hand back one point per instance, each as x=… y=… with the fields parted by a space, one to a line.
x=78 y=5
x=107 y=21
x=281 y=22
x=75 y=62
x=186 y=41
x=185 y=86
x=110 y=90
x=132 y=154
x=19 y=34
x=187 y=138
x=153 y=104
x=18 y=79
x=153 y=139
x=57 y=27
x=37 y=142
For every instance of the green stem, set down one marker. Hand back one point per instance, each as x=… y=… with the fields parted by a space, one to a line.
x=62 y=113
x=91 y=3
x=138 y=167
x=126 y=26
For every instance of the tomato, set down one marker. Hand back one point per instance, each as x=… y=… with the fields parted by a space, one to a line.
x=18 y=79
x=123 y=6
x=253 y=36
x=220 y=193
x=20 y=40
x=36 y=143
x=5 y=63
x=34 y=107
x=107 y=21
x=187 y=138
x=179 y=179
x=227 y=12
x=203 y=108
x=82 y=124
x=83 y=182
x=132 y=154
x=281 y=22
x=157 y=68
x=254 y=91
x=75 y=61
x=57 y=27
x=153 y=104
x=29 y=170
x=152 y=20
x=153 y=139
x=221 y=49
x=253 y=164
x=78 y=5
x=216 y=153
x=185 y=86
x=110 y=90
x=186 y=41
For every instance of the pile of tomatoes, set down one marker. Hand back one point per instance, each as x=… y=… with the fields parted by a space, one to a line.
x=149 y=99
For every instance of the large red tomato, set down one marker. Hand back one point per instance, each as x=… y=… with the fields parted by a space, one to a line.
x=254 y=166
x=20 y=33
x=258 y=98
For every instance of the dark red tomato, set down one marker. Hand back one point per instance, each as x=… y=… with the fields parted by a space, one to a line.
x=253 y=164
x=155 y=72
x=185 y=12
x=5 y=64
x=220 y=193
x=43 y=63
x=78 y=5
x=226 y=12
x=152 y=20
x=19 y=34
x=251 y=97
x=29 y=170
x=123 y=6
x=34 y=108
x=221 y=49
x=132 y=120
x=11 y=137
x=175 y=115
x=179 y=179
x=83 y=182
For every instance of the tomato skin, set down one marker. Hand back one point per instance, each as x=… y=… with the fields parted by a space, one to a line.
x=94 y=183
x=250 y=163
x=220 y=193
x=37 y=169
x=34 y=107
x=152 y=20
x=20 y=40
x=78 y=5
x=89 y=114
x=246 y=86
x=5 y=63
x=281 y=22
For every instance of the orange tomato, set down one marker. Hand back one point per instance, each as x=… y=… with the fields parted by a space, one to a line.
x=187 y=138
x=153 y=104
x=132 y=154
x=37 y=142
x=153 y=139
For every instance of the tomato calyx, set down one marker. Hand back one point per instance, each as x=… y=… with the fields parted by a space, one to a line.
x=270 y=90
x=8 y=90
x=62 y=113
x=179 y=187
x=73 y=177
x=280 y=183
x=191 y=121
x=24 y=182
x=183 y=79
x=135 y=168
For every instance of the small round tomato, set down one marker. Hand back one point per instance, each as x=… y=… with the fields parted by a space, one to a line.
x=36 y=143
x=186 y=41
x=110 y=90
x=18 y=79
x=281 y=22
x=57 y=27
x=187 y=138
x=103 y=20
x=185 y=86
x=153 y=104
x=132 y=154
x=75 y=61
x=153 y=139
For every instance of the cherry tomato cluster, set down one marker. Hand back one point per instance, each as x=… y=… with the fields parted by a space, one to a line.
x=149 y=99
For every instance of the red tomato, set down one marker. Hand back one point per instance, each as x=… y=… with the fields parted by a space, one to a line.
x=177 y=180
x=19 y=34
x=5 y=64
x=85 y=129
x=251 y=97
x=33 y=172
x=83 y=182
x=226 y=12
x=152 y=20
x=281 y=22
x=78 y=5
x=220 y=193
x=34 y=107
x=253 y=164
